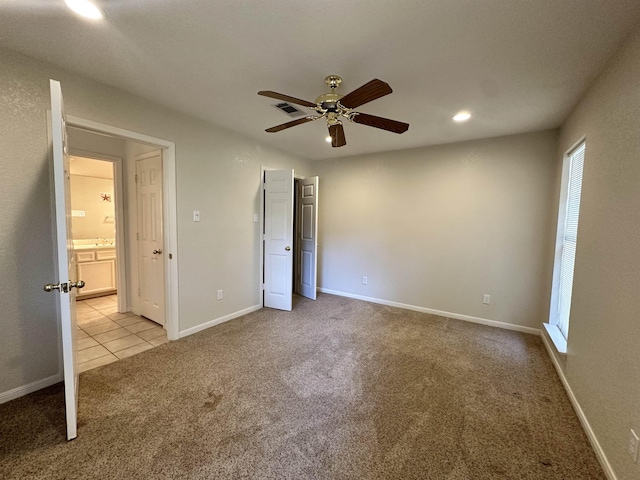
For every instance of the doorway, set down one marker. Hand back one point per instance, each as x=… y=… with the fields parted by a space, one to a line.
x=94 y=222
x=288 y=229
x=106 y=332
x=135 y=144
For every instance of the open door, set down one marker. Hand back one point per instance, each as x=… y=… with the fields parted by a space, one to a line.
x=278 y=239
x=66 y=267
x=307 y=228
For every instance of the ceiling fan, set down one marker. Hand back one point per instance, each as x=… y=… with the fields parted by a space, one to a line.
x=333 y=106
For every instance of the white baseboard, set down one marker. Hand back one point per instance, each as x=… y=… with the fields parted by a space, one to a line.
x=218 y=321
x=30 y=388
x=457 y=316
x=602 y=458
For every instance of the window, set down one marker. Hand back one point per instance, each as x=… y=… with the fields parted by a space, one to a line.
x=566 y=240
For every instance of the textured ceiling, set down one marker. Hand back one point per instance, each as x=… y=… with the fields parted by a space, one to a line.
x=517 y=65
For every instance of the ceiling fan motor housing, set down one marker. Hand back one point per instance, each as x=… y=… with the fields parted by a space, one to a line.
x=328 y=101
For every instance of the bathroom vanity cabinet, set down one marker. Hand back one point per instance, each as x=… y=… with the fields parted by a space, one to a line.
x=97 y=268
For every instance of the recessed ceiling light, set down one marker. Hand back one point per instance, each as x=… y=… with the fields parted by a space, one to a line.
x=462 y=117
x=328 y=139
x=85 y=8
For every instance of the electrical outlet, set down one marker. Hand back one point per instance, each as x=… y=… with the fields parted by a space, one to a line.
x=365 y=280
x=220 y=294
x=486 y=299
x=633 y=446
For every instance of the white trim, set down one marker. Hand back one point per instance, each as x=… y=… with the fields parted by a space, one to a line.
x=557 y=337
x=602 y=458
x=457 y=316
x=30 y=388
x=575 y=145
x=218 y=321
x=169 y=209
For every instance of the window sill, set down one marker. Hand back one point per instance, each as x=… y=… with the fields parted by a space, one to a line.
x=556 y=337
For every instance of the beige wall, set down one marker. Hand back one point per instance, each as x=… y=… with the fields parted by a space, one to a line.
x=602 y=365
x=217 y=173
x=99 y=219
x=438 y=227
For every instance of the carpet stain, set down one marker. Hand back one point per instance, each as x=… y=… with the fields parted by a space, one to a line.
x=213 y=404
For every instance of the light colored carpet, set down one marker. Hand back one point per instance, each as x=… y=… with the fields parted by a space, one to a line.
x=337 y=389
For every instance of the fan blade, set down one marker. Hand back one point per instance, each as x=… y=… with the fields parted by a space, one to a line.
x=379 y=122
x=293 y=123
x=366 y=93
x=337 y=135
x=286 y=98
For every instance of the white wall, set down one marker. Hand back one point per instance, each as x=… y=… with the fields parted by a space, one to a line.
x=438 y=227
x=217 y=173
x=602 y=365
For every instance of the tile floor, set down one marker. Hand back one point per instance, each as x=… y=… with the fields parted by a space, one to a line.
x=105 y=336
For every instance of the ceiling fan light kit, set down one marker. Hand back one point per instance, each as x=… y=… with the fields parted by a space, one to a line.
x=333 y=107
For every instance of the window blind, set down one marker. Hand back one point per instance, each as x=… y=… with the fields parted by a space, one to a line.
x=570 y=237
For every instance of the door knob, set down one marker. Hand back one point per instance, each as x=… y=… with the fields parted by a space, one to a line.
x=287 y=248
x=50 y=287
x=79 y=284
x=155 y=252
x=64 y=287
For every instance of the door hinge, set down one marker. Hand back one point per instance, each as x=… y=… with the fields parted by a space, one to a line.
x=136 y=178
x=262 y=286
x=137 y=236
x=138 y=292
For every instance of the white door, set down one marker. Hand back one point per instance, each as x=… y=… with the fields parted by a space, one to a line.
x=66 y=267
x=150 y=237
x=307 y=228
x=278 y=239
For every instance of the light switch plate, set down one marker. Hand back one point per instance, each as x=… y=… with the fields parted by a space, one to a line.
x=196 y=215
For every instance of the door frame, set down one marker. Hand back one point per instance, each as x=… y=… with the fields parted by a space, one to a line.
x=118 y=193
x=296 y=176
x=169 y=206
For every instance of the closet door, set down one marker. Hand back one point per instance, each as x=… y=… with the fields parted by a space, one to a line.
x=307 y=229
x=278 y=239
